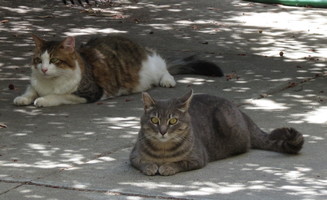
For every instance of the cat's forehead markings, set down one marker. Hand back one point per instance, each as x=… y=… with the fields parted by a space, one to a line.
x=45 y=56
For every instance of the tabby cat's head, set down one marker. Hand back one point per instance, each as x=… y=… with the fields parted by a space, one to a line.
x=53 y=58
x=166 y=120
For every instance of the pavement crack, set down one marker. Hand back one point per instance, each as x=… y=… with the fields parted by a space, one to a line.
x=103 y=191
x=20 y=183
x=290 y=84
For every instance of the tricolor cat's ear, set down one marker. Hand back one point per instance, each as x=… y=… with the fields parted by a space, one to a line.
x=148 y=101
x=69 y=44
x=185 y=101
x=38 y=41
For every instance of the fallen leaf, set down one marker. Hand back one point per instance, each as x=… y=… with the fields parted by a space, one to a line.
x=212 y=8
x=232 y=76
x=310 y=58
x=45 y=16
x=128 y=99
x=4 y=21
x=2 y=125
x=195 y=27
x=11 y=86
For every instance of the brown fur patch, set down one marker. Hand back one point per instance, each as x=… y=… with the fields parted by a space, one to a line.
x=55 y=50
x=116 y=62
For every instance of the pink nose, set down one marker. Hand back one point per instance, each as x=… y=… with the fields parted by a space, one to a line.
x=44 y=70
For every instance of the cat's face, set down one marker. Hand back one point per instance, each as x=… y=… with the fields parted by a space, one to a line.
x=53 y=59
x=166 y=120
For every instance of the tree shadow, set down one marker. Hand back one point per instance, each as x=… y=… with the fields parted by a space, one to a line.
x=55 y=144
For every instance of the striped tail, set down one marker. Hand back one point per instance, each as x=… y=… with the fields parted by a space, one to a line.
x=284 y=140
x=191 y=65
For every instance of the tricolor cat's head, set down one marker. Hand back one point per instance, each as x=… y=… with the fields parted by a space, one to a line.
x=54 y=58
x=166 y=120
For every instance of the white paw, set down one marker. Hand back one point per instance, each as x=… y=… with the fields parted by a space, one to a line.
x=167 y=80
x=42 y=102
x=22 y=101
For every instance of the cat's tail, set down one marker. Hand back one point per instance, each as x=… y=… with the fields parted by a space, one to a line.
x=191 y=65
x=284 y=140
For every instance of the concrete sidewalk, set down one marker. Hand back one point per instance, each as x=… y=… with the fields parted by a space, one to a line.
x=275 y=61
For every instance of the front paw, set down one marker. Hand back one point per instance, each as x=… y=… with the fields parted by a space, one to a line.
x=22 y=101
x=167 y=170
x=150 y=169
x=42 y=102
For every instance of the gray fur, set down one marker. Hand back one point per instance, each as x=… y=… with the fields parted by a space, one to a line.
x=209 y=128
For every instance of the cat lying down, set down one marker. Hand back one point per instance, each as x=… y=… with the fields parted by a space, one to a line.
x=186 y=133
x=104 y=67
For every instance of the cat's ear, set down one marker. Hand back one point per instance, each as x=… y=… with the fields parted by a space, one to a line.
x=148 y=101
x=69 y=44
x=38 y=41
x=185 y=101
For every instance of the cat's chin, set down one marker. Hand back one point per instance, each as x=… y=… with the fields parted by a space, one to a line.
x=163 y=138
x=48 y=76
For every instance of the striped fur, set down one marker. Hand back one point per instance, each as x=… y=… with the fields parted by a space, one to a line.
x=208 y=128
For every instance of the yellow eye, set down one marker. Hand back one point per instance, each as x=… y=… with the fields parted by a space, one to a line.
x=173 y=121
x=155 y=120
x=55 y=60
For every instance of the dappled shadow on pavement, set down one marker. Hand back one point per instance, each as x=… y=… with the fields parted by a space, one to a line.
x=275 y=62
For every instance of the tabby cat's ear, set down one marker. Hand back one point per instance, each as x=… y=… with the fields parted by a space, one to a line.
x=185 y=101
x=38 y=41
x=148 y=101
x=69 y=44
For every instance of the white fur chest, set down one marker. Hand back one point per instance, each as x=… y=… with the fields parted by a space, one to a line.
x=66 y=83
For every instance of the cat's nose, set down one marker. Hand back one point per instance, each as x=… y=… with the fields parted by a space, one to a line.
x=163 y=130
x=44 y=70
x=163 y=133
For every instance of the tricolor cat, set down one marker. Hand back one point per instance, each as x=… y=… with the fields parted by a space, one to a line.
x=104 y=67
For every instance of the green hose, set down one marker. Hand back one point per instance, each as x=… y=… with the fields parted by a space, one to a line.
x=311 y=3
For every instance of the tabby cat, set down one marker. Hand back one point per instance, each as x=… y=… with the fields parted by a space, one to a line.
x=104 y=67
x=186 y=133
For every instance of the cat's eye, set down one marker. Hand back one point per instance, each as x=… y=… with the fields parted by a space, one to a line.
x=37 y=60
x=155 y=120
x=55 y=60
x=173 y=121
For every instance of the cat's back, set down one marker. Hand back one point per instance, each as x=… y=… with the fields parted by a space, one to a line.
x=115 y=62
x=115 y=45
x=211 y=114
x=205 y=103
x=216 y=122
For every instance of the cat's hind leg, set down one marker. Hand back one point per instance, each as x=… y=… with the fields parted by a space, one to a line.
x=167 y=80
x=154 y=73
